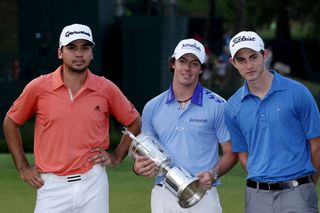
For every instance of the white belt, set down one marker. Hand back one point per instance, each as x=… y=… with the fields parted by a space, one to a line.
x=72 y=178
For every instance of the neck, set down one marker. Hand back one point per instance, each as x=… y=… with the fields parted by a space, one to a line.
x=73 y=80
x=183 y=93
x=185 y=100
x=261 y=86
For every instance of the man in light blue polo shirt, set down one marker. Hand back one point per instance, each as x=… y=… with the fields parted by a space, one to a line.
x=274 y=124
x=188 y=122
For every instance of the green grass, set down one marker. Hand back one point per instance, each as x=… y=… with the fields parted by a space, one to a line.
x=128 y=192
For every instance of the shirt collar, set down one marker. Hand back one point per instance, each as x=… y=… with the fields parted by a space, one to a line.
x=90 y=82
x=196 y=96
x=277 y=85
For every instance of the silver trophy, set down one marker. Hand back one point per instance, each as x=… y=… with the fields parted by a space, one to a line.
x=180 y=182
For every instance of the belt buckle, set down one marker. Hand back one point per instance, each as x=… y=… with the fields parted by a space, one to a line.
x=73 y=178
x=295 y=183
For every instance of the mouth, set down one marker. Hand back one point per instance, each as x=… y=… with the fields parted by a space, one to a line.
x=251 y=72
x=186 y=75
x=78 y=62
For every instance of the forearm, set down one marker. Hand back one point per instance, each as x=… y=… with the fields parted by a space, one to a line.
x=227 y=161
x=243 y=157
x=122 y=149
x=14 y=143
x=315 y=157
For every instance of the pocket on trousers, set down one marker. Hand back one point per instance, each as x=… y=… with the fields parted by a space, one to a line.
x=42 y=188
x=309 y=194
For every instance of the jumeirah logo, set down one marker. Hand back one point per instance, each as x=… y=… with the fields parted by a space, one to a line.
x=191 y=46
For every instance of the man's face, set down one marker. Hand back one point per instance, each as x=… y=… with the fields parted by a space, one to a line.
x=77 y=55
x=187 y=69
x=249 y=63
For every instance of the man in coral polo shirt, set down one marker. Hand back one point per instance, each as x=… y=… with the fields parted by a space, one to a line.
x=72 y=108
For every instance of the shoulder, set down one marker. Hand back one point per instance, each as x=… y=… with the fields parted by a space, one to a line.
x=213 y=99
x=294 y=87
x=234 y=103
x=105 y=86
x=157 y=100
x=39 y=83
x=155 y=104
x=102 y=81
x=290 y=81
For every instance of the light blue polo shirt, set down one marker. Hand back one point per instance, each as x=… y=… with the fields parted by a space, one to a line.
x=190 y=136
x=274 y=131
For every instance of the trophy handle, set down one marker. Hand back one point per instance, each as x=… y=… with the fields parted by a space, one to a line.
x=130 y=134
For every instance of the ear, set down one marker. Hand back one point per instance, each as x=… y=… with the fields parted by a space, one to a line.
x=59 y=53
x=231 y=61
x=265 y=54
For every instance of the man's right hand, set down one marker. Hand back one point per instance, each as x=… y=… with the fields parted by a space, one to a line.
x=31 y=176
x=144 y=166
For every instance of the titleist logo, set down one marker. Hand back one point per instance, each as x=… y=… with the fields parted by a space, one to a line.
x=68 y=33
x=193 y=46
x=242 y=38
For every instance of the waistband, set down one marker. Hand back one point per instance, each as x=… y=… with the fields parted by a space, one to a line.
x=95 y=170
x=279 y=185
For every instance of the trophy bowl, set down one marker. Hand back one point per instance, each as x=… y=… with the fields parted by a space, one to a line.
x=181 y=183
x=184 y=186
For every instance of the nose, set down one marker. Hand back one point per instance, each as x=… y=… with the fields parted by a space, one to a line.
x=79 y=52
x=249 y=64
x=187 y=65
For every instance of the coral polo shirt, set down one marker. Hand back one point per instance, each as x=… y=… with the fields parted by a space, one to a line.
x=66 y=127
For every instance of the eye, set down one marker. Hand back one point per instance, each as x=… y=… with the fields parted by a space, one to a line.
x=69 y=47
x=181 y=60
x=196 y=64
x=85 y=47
x=240 y=60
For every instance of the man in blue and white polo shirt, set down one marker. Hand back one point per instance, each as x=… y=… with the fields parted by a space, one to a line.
x=188 y=121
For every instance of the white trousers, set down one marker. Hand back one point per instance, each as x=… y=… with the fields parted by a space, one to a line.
x=164 y=201
x=82 y=193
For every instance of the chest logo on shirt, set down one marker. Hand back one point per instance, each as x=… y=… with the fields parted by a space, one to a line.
x=198 y=120
x=97 y=108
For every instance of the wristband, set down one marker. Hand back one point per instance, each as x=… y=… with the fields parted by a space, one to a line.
x=215 y=175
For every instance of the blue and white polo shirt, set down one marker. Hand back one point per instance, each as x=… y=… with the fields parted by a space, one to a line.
x=190 y=136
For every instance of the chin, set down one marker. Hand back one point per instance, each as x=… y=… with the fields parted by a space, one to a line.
x=79 y=69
